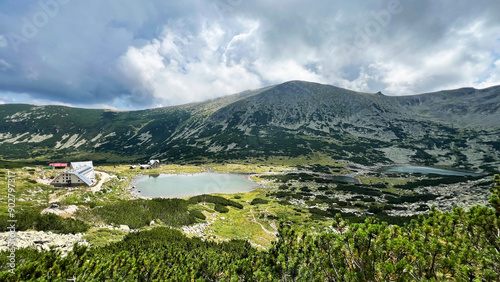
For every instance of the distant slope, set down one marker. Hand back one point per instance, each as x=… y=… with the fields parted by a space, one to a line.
x=465 y=107
x=457 y=128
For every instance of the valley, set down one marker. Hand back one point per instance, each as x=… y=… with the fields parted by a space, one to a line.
x=329 y=167
x=306 y=196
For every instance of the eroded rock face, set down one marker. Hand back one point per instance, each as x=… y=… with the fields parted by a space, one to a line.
x=42 y=240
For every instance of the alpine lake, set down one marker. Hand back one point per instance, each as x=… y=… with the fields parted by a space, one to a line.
x=188 y=185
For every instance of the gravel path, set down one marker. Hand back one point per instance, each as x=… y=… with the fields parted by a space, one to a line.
x=104 y=178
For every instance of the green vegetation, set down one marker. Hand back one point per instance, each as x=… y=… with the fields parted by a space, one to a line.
x=31 y=219
x=433 y=180
x=306 y=201
x=410 y=199
x=198 y=214
x=139 y=213
x=258 y=201
x=103 y=236
x=172 y=212
x=359 y=189
x=26 y=188
x=215 y=200
x=378 y=197
x=459 y=245
x=329 y=132
x=220 y=208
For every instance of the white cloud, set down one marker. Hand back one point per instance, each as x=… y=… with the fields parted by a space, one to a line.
x=285 y=70
x=4 y=66
x=3 y=41
x=138 y=54
x=493 y=78
x=462 y=58
x=175 y=73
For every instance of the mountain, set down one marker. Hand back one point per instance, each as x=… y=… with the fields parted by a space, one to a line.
x=455 y=128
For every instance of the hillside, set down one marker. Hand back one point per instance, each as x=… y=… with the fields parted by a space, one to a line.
x=455 y=128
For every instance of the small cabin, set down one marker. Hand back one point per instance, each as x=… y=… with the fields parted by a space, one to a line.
x=151 y=164
x=154 y=163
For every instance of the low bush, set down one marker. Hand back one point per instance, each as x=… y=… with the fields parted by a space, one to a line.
x=138 y=213
x=220 y=208
x=258 y=201
x=411 y=199
x=31 y=219
x=214 y=200
x=283 y=187
x=305 y=189
x=375 y=209
x=323 y=188
x=198 y=214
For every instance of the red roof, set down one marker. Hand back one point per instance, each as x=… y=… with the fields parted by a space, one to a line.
x=58 y=164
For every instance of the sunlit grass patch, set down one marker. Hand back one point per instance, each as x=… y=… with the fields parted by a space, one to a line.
x=103 y=236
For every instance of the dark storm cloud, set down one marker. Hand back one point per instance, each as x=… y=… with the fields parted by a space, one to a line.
x=136 y=54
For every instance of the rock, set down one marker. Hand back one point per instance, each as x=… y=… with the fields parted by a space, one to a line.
x=43 y=240
x=124 y=228
x=68 y=211
x=58 y=242
x=152 y=223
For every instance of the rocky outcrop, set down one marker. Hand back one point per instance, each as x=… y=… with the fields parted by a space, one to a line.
x=463 y=195
x=42 y=240
x=197 y=230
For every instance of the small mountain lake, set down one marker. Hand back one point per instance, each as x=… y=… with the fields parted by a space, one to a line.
x=426 y=170
x=179 y=185
x=344 y=179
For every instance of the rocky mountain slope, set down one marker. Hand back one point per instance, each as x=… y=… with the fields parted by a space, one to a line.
x=456 y=128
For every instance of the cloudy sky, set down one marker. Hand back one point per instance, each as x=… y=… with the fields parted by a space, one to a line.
x=135 y=54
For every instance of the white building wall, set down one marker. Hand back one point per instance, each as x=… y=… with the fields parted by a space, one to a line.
x=64 y=177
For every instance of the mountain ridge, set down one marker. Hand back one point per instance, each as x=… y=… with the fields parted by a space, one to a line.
x=292 y=119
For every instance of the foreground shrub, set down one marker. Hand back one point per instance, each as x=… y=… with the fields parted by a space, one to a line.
x=214 y=200
x=221 y=208
x=258 y=201
x=138 y=213
x=198 y=214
